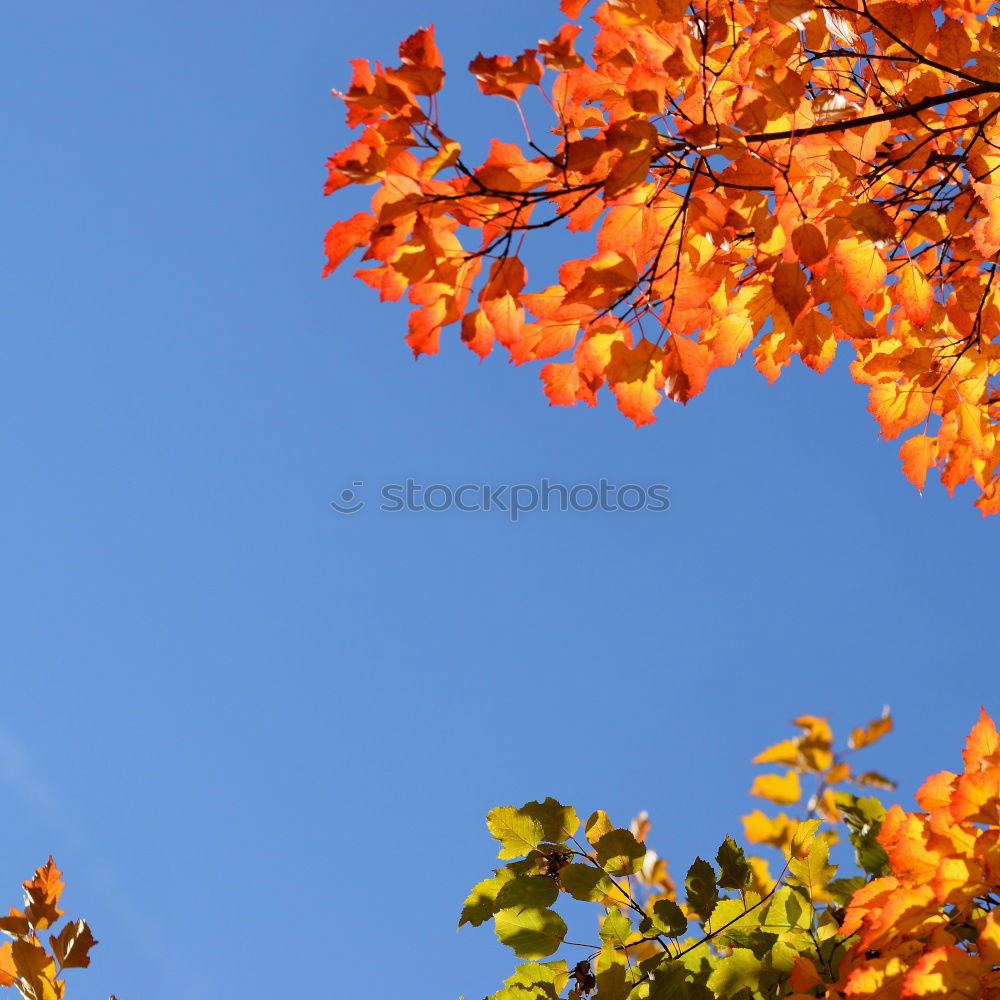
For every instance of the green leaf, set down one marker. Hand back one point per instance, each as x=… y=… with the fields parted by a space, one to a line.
x=780 y=958
x=695 y=956
x=734 y=869
x=756 y=940
x=518 y=832
x=610 y=971
x=787 y=911
x=558 y=822
x=534 y=980
x=530 y=932
x=669 y=981
x=517 y=992
x=585 y=882
x=527 y=890
x=804 y=835
x=813 y=871
x=619 y=853
x=737 y=971
x=735 y=914
x=616 y=927
x=668 y=918
x=702 y=893
x=481 y=903
x=826 y=925
x=864 y=820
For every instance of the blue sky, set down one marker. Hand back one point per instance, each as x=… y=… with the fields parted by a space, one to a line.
x=261 y=737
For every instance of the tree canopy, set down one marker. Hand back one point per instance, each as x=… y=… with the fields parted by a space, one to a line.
x=780 y=176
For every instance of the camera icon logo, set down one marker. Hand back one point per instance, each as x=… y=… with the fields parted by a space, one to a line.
x=349 y=502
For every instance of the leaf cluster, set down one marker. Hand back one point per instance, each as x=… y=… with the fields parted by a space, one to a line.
x=918 y=920
x=25 y=961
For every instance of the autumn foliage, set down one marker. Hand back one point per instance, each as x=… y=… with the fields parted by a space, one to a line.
x=25 y=962
x=918 y=919
x=782 y=176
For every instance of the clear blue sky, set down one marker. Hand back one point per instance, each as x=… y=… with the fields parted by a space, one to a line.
x=261 y=737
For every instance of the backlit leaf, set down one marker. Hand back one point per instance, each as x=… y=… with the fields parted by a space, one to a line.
x=558 y=822
x=530 y=932
x=734 y=870
x=783 y=790
x=538 y=891
x=518 y=832
x=739 y=970
x=702 y=889
x=481 y=902
x=619 y=853
x=668 y=918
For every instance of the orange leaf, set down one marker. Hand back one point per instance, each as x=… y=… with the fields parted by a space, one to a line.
x=8 y=970
x=507 y=170
x=918 y=453
x=788 y=284
x=861 y=266
x=945 y=972
x=804 y=976
x=502 y=76
x=37 y=968
x=983 y=743
x=421 y=69
x=43 y=892
x=897 y=407
x=874 y=221
x=875 y=730
x=342 y=238
x=559 y=53
x=986 y=232
x=686 y=366
x=477 y=332
x=562 y=383
x=635 y=376
x=915 y=294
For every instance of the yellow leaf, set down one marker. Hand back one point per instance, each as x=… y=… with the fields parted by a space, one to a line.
x=785 y=752
x=773 y=787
